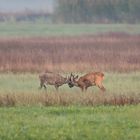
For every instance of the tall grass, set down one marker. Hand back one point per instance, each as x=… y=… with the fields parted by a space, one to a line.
x=22 y=89
x=65 y=99
x=111 y=52
x=115 y=83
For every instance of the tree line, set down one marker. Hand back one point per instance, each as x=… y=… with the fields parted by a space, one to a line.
x=92 y=11
x=27 y=15
x=82 y=11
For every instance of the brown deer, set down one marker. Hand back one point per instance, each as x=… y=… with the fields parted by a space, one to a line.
x=49 y=78
x=90 y=79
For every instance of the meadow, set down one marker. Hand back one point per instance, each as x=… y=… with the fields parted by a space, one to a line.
x=22 y=89
x=115 y=83
x=70 y=123
x=26 y=49
x=26 y=29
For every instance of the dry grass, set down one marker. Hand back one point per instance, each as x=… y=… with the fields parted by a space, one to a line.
x=111 y=52
x=63 y=99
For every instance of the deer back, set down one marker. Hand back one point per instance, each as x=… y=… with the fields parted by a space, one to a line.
x=52 y=78
x=92 y=78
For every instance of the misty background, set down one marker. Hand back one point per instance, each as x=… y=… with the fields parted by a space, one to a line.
x=70 y=11
x=22 y=5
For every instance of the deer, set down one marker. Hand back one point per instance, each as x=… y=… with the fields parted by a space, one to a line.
x=88 y=80
x=50 y=78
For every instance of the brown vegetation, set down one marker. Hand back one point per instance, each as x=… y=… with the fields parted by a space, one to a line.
x=63 y=99
x=112 y=52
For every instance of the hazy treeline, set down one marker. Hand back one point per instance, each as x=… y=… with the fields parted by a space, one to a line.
x=88 y=11
x=27 y=15
x=82 y=11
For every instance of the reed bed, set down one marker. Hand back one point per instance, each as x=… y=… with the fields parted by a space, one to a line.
x=63 y=99
x=110 y=52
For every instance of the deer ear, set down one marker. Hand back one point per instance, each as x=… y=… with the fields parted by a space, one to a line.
x=70 y=78
x=72 y=74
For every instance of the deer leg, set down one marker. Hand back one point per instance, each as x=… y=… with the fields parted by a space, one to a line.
x=56 y=87
x=44 y=86
x=41 y=84
x=101 y=87
x=82 y=89
x=86 y=89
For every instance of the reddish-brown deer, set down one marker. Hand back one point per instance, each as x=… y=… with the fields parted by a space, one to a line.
x=49 y=78
x=90 y=79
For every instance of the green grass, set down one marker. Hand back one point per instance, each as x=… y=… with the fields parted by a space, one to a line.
x=115 y=83
x=37 y=122
x=70 y=123
x=42 y=29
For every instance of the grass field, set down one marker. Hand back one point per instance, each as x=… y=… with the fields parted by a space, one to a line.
x=42 y=29
x=22 y=89
x=115 y=83
x=70 y=123
x=27 y=113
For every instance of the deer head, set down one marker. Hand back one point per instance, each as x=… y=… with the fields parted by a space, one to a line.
x=72 y=80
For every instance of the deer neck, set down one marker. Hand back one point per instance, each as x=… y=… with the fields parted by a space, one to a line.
x=76 y=83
